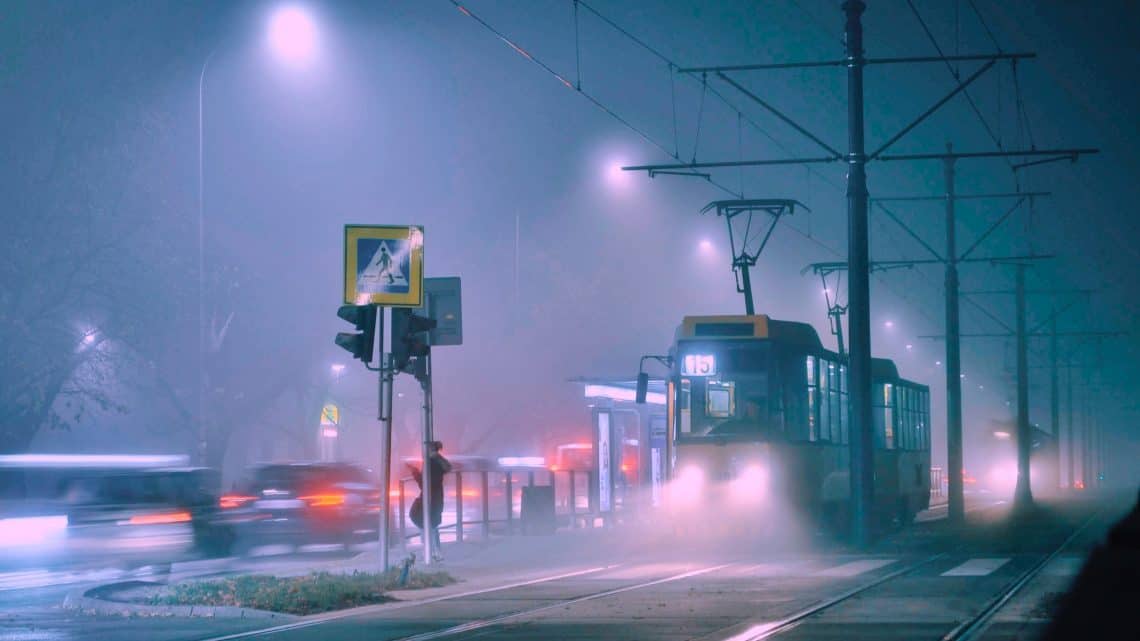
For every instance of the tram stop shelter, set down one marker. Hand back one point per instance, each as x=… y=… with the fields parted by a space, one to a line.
x=628 y=456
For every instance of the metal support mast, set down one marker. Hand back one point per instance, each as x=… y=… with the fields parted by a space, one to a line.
x=858 y=284
x=1072 y=431
x=956 y=506
x=1055 y=397
x=1022 y=495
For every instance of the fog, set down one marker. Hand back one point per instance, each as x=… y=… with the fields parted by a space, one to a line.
x=413 y=113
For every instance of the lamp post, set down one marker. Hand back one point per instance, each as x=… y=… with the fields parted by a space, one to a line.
x=292 y=39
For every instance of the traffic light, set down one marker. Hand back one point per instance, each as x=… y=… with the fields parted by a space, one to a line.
x=642 y=388
x=409 y=336
x=364 y=318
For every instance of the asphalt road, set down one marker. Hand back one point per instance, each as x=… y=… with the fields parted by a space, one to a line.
x=917 y=584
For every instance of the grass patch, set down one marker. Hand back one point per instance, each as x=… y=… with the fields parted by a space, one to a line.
x=310 y=594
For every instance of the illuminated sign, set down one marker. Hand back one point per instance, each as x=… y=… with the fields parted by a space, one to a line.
x=384 y=265
x=604 y=461
x=698 y=365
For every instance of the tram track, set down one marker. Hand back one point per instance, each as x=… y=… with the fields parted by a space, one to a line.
x=970 y=629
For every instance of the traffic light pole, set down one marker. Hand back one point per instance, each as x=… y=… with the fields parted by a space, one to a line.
x=387 y=376
x=956 y=506
x=425 y=473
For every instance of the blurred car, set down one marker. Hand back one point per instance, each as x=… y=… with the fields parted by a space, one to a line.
x=301 y=504
x=117 y=508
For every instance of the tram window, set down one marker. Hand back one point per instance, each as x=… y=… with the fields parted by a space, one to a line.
x=889 y=416
x=824 y=417
x=684 y=401
x=813 y=401
x=811 y=370
x=904 y=418
x=720 y=399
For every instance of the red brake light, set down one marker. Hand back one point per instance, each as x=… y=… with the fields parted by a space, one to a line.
x=162 y=517
x=323 y=500
x=230 y=501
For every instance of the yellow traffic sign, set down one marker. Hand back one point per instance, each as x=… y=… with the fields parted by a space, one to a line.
x=384 y=265
x=330 y=415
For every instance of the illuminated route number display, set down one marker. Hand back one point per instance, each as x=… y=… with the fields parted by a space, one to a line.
x=698 y=365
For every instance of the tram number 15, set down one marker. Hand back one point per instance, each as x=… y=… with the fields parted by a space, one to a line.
x=698 y=365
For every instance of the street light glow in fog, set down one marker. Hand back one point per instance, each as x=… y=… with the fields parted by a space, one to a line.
x=293 y=36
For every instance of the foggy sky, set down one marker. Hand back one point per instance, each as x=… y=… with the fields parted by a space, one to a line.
x=415 y=114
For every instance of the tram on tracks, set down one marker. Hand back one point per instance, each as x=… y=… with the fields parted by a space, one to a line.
x=757 y=414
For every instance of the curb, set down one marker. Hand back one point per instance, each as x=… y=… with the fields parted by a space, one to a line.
x=81 y=601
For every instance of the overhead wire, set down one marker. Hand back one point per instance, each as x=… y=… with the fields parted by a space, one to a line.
x=922 y=308
x=731 y=105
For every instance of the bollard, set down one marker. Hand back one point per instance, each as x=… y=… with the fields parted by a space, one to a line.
x=459 y=507
x=486 y=511
x=510 y=506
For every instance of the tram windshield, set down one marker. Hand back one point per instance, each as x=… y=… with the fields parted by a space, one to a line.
x=724 y=390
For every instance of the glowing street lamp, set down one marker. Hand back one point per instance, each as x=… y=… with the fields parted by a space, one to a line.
x=292 y=36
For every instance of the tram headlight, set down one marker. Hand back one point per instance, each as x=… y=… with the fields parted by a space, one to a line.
x=751 y=483
x=689 y=486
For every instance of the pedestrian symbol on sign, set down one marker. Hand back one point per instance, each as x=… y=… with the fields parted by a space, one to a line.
x=330 y=415
x=387 y=266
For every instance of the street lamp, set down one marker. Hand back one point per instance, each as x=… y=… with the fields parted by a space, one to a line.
x=292 y=37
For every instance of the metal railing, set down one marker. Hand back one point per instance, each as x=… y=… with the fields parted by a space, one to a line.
x=490 y=502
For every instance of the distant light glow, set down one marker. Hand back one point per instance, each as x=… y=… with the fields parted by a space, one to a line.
x=1002 y=435
x=826 y=291
x=329 y=432
x=293 y=36
x=937 y=362
x=706 y=246
x=522 y=461
x=909 y=347
x=89 y=337
x=622 y=394
x=889 y=324
x=337 y=368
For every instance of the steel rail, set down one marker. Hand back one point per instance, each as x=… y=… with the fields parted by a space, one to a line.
x=970 y=628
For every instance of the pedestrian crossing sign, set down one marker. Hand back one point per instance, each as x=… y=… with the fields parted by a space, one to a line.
x=384 y=265
x=330 y=415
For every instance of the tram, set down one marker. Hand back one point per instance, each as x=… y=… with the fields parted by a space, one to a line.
x=758 y=416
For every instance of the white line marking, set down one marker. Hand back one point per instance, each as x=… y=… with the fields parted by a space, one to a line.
x=854 y=568
x=483 y=623
x=976 y=567
x=333 y=616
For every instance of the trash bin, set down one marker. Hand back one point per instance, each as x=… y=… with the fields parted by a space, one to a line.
x=537 y=512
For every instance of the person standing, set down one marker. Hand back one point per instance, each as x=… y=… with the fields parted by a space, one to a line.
x=438 y=466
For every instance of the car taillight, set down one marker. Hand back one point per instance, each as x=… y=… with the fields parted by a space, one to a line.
x=323 y=500
x=162 y=517
x=230 y=501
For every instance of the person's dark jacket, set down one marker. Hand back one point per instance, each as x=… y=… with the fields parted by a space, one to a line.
x=439 y=467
